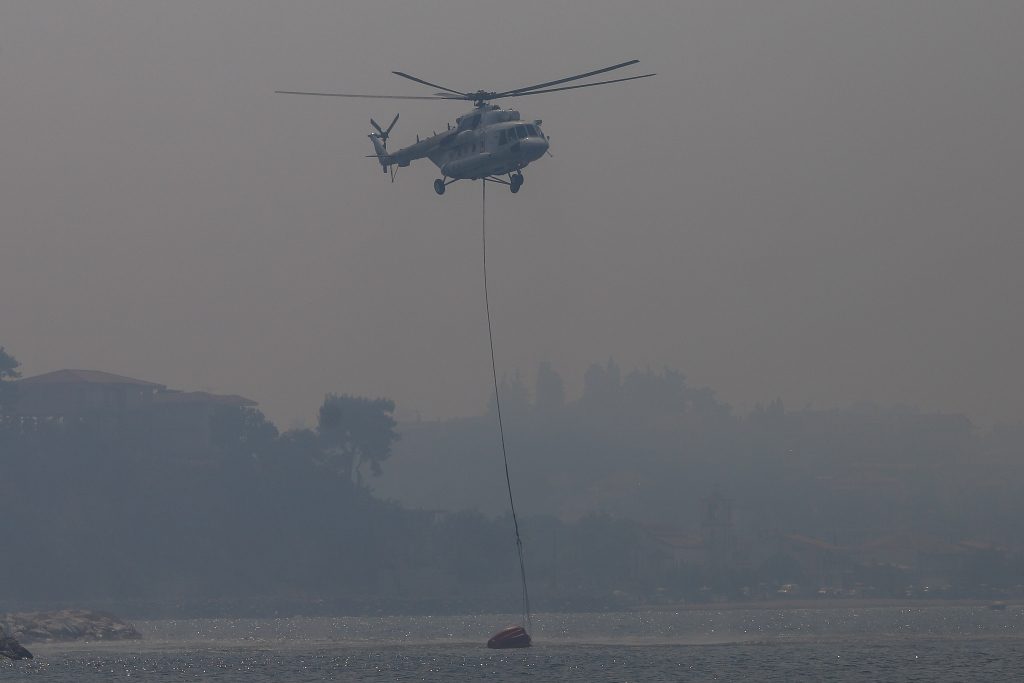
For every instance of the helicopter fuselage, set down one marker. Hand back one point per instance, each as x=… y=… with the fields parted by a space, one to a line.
x=488 y=141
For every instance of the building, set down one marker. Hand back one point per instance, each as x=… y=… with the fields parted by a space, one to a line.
x=75 y=394
x=122 y=411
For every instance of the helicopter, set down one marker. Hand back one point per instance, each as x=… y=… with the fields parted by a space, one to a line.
x=485 y=143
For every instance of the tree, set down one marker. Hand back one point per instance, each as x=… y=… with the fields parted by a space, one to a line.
x=356 y=433
x=549 y=390
x=299 y=443
x=602 y=389
x=242 y=431
x=8 y=366
x=515 y=397
x=8 y=371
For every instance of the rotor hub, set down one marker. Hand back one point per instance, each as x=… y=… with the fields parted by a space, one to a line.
x=481 y=97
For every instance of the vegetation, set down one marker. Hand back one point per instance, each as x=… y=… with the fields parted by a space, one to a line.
x=8 y=366
x=8 y=371
x=644 y=489
x=355 y=433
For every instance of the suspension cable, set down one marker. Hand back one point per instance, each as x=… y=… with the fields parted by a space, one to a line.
x=501 y=426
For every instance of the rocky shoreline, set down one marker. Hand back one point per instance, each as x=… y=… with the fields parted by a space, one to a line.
x=11 y=648
x=64 y=626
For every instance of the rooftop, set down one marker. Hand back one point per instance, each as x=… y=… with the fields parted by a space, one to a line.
x=85 y=377
x=161 y=394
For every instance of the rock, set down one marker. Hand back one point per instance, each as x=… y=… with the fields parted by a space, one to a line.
x=65 y=625
x=11 y=648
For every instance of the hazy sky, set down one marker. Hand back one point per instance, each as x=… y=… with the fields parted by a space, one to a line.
x=821 y=201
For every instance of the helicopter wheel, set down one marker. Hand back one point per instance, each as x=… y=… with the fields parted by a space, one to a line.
x=439 y=186
x=515 y=183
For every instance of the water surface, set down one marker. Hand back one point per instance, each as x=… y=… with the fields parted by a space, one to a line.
x=877 y=643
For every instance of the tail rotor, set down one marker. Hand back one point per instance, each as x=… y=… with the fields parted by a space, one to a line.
x=380 y=146
x=384 y=133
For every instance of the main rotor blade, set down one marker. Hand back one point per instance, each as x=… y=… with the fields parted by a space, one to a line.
x=374 y=97
x=432 y=85
x=566 y=80
x=571 y=87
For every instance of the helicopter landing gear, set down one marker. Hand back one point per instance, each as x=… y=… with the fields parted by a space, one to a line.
x=514 y=182
x=442 y=183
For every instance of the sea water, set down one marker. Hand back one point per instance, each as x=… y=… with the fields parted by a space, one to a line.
x=947 y=643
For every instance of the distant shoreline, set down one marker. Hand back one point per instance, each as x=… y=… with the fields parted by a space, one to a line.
x=269 y=608
x=825 y=603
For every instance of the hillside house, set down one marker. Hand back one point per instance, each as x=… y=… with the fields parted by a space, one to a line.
x=121 y=410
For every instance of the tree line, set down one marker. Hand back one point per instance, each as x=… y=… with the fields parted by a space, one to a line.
x=360 y=513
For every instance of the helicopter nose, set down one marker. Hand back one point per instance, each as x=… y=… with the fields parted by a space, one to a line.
x=534 y=147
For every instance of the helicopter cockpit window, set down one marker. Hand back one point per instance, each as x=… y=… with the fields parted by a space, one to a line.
x=531 y=129
x=521 y=131
x=502 y=139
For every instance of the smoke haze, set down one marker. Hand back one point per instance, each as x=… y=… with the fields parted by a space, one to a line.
x=818 y=201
